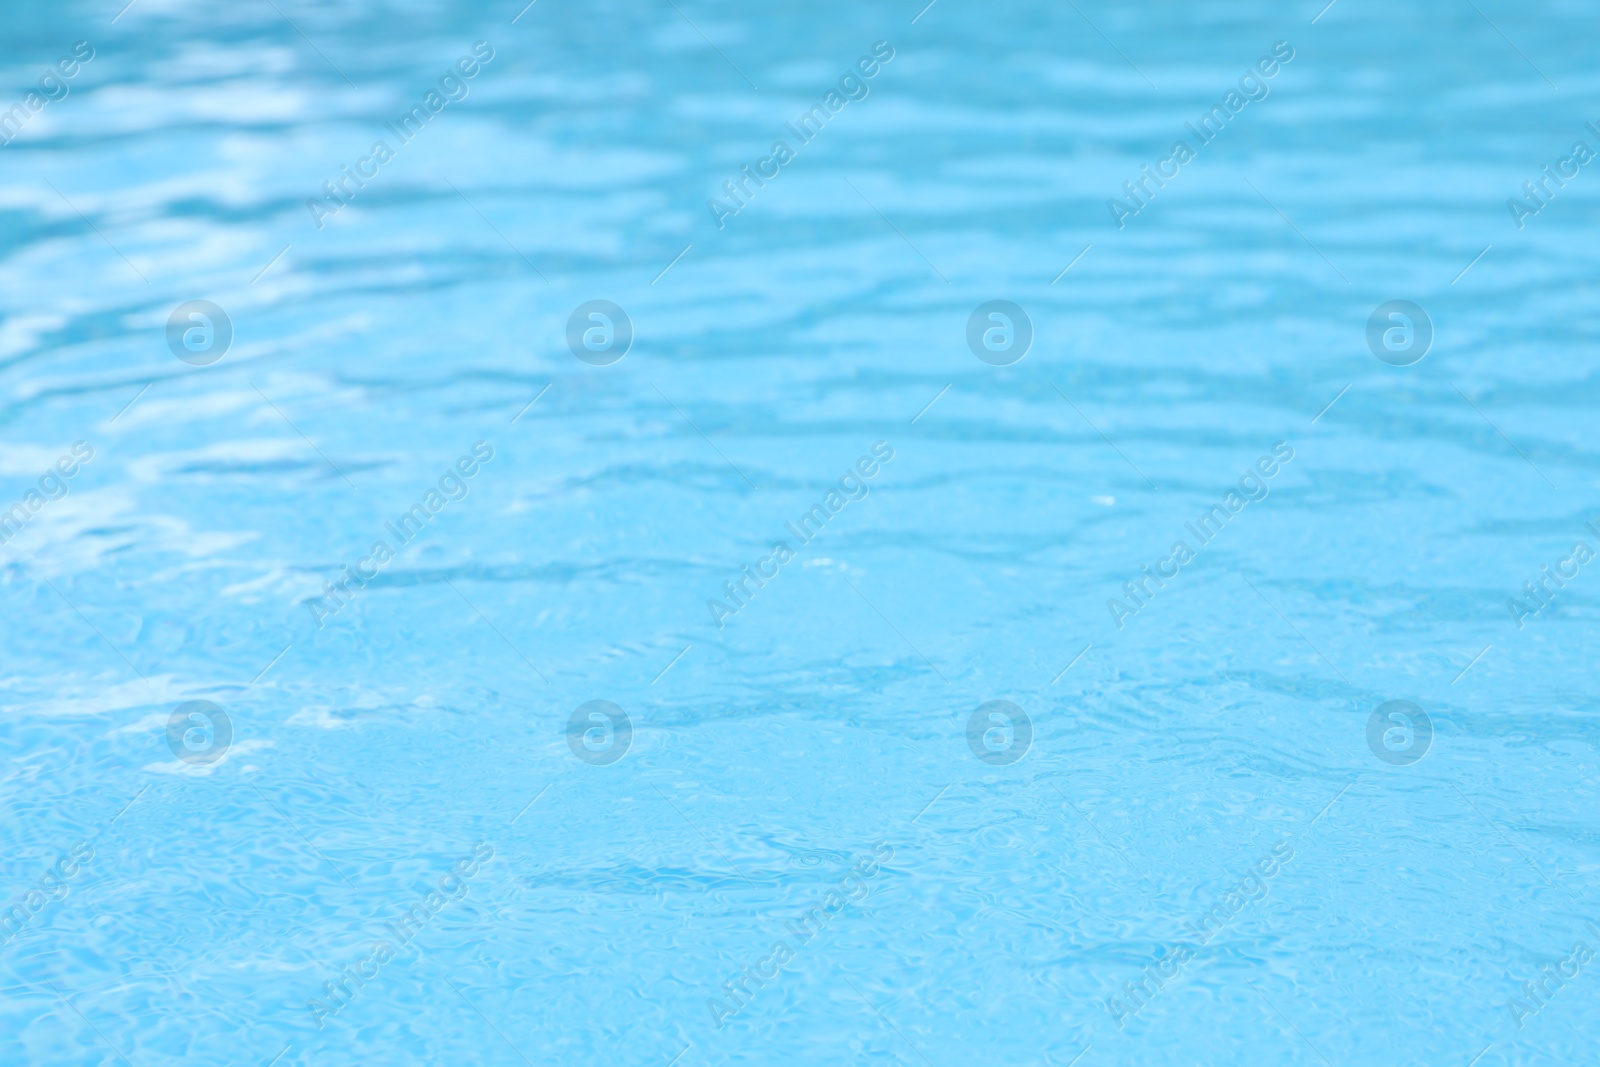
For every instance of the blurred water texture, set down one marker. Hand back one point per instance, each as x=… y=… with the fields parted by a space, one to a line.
x=378 y=748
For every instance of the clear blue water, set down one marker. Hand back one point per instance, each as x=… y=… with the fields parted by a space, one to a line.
x=399 y=832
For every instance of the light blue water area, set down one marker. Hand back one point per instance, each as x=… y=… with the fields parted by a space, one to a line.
x=766 y=665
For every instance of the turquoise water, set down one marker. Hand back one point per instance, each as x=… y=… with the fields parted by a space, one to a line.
x=690 y=535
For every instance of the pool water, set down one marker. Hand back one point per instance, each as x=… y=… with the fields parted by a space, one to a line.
x=687 y=534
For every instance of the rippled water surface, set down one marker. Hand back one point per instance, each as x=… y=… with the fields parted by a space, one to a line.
x=1291 y=620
